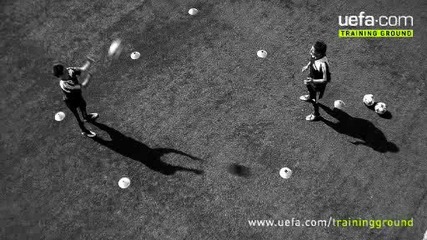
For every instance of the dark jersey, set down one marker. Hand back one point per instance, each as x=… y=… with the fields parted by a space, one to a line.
x=70 y=86
x=317 y=67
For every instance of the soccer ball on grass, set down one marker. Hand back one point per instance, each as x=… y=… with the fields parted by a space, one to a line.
x=380 y=108
x=368 y=100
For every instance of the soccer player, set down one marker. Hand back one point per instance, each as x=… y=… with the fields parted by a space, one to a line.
x=317 y=79
x=72 y=90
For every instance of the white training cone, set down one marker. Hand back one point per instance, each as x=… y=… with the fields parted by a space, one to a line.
x=262 y=53
x=124 y=182
x=339 y=104
x=193 y=11
x=285 y=173
x=135 y=55
x=59 y=116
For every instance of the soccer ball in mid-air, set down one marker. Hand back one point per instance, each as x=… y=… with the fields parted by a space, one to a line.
x=115 y=48
x=339 y=104
x=380 y=108
x=368 y=100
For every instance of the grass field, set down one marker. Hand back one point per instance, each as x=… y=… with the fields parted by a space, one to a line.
x=202 y=126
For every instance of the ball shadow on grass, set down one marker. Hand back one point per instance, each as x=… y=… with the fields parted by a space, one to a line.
x=386 y=115
x=138 y=151
x=239 y=170
x=372 y=107
x=362 y=129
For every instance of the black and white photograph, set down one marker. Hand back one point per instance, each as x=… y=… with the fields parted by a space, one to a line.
x=213 y=120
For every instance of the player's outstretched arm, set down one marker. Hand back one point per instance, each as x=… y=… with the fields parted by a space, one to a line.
x=305 y=67
x=86 y=81
x=87 y=64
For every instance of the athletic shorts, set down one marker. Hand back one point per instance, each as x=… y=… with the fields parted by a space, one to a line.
x=314 y=88
x=73 y=103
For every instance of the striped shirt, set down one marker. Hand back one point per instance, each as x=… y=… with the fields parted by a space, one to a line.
x=71 y=86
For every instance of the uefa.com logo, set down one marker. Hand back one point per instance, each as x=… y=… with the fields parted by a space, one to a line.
x=368 y=23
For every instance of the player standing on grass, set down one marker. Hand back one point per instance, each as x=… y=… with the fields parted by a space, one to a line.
x=317 y=79
x=72 y=89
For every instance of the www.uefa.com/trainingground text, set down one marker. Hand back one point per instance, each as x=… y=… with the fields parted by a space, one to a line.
x=332 y=222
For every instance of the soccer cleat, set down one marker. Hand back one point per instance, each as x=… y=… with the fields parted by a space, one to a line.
x=91 y=117
x=312 y=117
x=305 y=98
x=89 y=134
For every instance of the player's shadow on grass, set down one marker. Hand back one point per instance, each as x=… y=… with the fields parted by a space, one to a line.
x=138 y=151
x=362 y=129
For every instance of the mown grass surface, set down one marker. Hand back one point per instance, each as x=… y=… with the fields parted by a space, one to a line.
x=200 y=89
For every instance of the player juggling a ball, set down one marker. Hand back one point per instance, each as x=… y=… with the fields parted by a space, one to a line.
x=72 y=90
x=319 y=76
